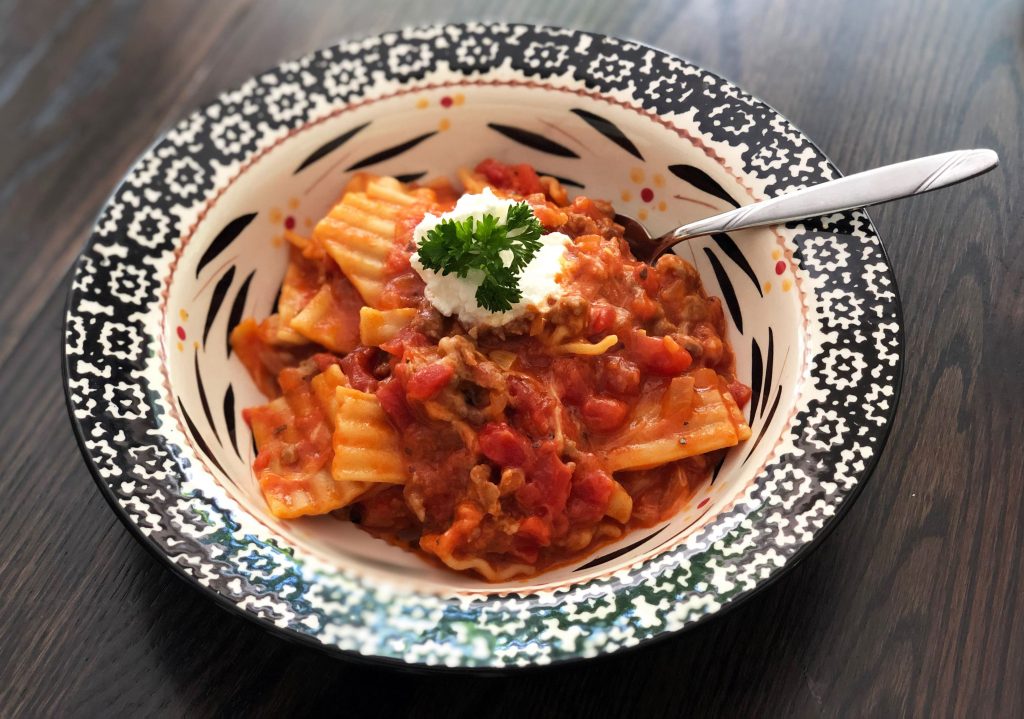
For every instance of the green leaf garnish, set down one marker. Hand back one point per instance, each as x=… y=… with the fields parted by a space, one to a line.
x=459 y=246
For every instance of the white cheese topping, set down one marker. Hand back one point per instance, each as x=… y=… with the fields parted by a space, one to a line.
x=456 y=296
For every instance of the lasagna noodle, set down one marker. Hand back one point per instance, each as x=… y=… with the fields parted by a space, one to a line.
x=248 y=346
x=710 y=427
x=620 y=504
x=303 y=488
x=259 y=349
x=323 y=320
x=300 y=285
x=443 y=546
x=325 y=387
x=379 y=326
x=490 y=572
x=309 y=249
x=366 y=447
x=742 y=429
x=359 y=231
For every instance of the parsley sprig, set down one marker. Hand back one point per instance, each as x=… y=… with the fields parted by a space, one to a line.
x=459 y=246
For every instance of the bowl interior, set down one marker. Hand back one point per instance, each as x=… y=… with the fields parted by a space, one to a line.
x=231 y=264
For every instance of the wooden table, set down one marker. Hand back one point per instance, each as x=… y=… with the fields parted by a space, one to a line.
x=914 y=606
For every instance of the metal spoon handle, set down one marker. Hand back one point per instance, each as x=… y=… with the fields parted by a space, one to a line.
x=882 y=184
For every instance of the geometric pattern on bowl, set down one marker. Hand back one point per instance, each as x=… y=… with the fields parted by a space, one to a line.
x=191 y=241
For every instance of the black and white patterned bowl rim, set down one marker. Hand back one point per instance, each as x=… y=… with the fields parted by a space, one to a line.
x=832 y=442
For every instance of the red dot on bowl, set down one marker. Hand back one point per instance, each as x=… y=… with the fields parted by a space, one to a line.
x=703 y=502
x=446 y=101
x=289 y=222
x=647 y=194
x=181 y=333
x=780 y=267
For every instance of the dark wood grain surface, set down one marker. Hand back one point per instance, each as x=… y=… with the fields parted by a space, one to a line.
x=914 y=606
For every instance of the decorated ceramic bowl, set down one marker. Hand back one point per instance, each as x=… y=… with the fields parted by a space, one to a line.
x=192 y=240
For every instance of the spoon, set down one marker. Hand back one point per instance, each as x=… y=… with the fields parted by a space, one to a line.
x=889 y=182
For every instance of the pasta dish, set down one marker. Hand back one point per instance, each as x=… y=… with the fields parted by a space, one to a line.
x=486 y=377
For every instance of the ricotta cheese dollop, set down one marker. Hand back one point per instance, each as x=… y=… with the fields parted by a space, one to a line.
x=455 y=296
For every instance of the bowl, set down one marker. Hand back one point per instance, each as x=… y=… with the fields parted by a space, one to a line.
x=192 y=240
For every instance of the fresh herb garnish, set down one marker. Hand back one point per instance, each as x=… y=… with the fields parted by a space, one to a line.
x=459 y=246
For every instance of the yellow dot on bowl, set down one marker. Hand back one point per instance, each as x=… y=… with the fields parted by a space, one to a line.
x=275 y=215
x=787 y=285
x=458 y=98
x=642 y=214
x=767 y=287
x=626 y=195
x=308 y=222
x=293 y=202
x=183 y=314
x=636 y=174
x=659 y=181
x=422 y=103
x=195 y=344
x=277 y=240
x=776 y=254
x=444 y=124
x=181 y=346
x=662 y=206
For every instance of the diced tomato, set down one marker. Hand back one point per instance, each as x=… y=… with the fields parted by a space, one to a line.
x=573 y=379
x=403 y=290
x=536 y=530
x=521 y=178
x=533 y=406
x=407 y=337
x=427 y=381
x=324 y=360
x=497 y=173
x=547 y=485
x=600 y=319
x=591 y=491
x=394 y=347
x=619 y=376
x=740 y=392
x=527 y=182
x=658 y=355
x=358 y=367
x=550 y=217
x=503 y=445
x=604 y=414
x=391 y=396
